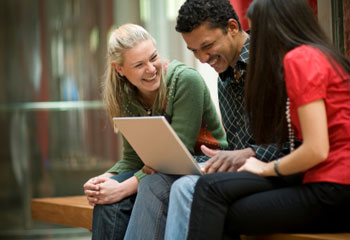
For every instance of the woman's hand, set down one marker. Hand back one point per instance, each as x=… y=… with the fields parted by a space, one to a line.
x=111 y=191
x=92 y=188
x=255 y=166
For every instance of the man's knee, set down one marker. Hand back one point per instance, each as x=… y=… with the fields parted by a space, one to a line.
x=184 y=185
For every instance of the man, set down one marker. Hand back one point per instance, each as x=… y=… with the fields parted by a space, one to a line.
x=212 y=31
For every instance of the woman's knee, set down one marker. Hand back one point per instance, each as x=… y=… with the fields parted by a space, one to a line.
x=203 y=186
x=217 y=184
x=121 y=177
x=157 y=185
x=100 y=212
x=149 y=182
x=102 y=209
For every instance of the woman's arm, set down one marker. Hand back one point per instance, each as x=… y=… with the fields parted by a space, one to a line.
x=130 y=160
x=315 y=146
x=102 y=189
x=313 y=150
x=187 y=106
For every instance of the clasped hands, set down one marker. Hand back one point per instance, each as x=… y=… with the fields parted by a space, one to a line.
x=103 y=190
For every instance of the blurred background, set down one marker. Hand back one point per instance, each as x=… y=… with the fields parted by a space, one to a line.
x=54 y=131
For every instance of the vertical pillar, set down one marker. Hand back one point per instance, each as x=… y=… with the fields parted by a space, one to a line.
x=346 y=9
x=240 y=7
x=313 y=5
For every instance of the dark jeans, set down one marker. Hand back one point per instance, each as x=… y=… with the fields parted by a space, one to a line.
x=111 y=220
x=243 y=203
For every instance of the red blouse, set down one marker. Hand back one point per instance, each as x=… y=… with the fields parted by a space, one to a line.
x=309 y=77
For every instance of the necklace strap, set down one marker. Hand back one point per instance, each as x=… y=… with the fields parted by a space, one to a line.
x=289 y=124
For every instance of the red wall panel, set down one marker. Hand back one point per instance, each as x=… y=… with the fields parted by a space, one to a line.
x=313 y=5
x=346 y=7
x=241 y=8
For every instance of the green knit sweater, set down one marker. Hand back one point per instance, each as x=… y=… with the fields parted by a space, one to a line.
x=189 y=106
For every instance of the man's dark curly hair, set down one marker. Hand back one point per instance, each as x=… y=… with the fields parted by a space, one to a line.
x=216 y=12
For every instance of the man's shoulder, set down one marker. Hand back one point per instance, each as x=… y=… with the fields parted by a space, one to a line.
x=244 y=56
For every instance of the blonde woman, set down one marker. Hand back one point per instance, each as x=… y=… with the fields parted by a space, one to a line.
x=138 y=83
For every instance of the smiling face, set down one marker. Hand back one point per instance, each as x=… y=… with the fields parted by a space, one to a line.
x=214 y=46
x=142 y=66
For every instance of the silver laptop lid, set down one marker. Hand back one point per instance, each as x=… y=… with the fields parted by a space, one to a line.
x=157 y=144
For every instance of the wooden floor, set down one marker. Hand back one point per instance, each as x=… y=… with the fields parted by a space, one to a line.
x=76 y=212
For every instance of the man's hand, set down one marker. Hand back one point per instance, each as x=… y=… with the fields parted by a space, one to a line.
x=225 y=161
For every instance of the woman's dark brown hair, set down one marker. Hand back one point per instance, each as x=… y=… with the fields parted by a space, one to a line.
x=278 y=26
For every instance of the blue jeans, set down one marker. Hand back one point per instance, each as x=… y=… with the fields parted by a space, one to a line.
x=111 y=220
x=179 y=210
x=151 y=206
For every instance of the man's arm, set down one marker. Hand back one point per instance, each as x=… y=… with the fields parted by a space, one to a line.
x=225 y=161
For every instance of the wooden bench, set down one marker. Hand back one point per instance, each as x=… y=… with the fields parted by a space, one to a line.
x=76 y=212
x=70 y=211
x=300 y=236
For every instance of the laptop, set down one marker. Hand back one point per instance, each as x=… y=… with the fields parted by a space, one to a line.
x=157 y=144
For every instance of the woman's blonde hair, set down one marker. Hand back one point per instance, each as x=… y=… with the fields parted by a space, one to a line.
x=116 y=88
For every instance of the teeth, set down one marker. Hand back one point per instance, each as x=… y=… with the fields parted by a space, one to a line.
x=151 y=78
x=213 y=61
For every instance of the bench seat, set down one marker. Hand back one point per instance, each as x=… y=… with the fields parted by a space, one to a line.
x=72 y=211
x=300 y=236
x=76 y=212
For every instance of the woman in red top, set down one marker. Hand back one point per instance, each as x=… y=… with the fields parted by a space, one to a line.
x=297 y=85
